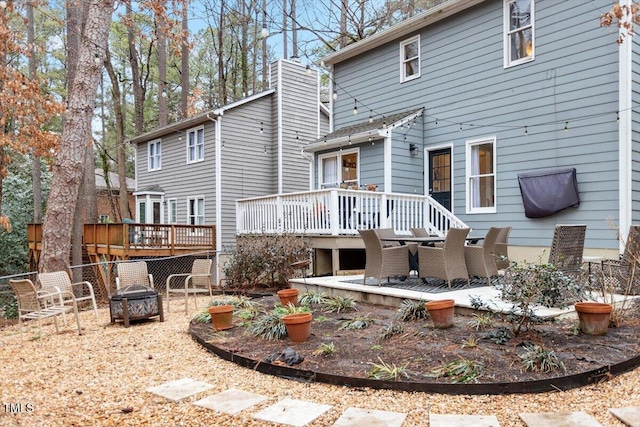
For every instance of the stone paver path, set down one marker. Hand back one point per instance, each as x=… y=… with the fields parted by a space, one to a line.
x=299 y=413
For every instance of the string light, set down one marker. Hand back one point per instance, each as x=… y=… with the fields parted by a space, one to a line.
x=265 y=149
x=164 y=93
x=297 y=136
x=617 y=116
x=355 y=107
x=96 y=59
x=566 y=126
x=436 y=120
x=460 y=127
x=261 y=128
x=349 y=139
x=3 y=4
x=526 y=132
x=308 y=70
x=264 y=33
x=370 y=116
x=335 y=95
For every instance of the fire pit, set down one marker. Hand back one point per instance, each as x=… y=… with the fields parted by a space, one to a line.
x=135 y=302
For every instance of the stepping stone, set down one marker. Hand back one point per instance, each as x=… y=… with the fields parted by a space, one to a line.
x=292 y=412
x=560 y=419
x=629 y=415
x=454 y=420
x=356 y=417
x=231 y=401
x=179 y=389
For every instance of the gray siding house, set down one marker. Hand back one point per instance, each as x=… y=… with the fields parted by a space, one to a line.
x=456 y=102
x=192 y=172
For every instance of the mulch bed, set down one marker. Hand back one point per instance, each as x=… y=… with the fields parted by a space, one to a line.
x=421 y=349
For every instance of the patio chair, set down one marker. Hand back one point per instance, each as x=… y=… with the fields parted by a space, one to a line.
x=35 y=304
x=413 y=247
x=623 y=275
x=420 y=232
x=196 y=282
x=133 y=273
x=480 y=259
x=501 y=252
x=567 y=248
x=447 y=262
x=383 y=261
x=60 y=282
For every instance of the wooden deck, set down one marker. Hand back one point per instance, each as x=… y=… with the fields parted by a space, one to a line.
x=104 y=243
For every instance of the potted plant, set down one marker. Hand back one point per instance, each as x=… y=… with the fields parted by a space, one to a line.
x=594 y=317
x=298 y=326
x=288 y=296
x=441 y=312
x=221 y=315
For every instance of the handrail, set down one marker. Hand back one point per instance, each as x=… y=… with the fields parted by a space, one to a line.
x=342 y=212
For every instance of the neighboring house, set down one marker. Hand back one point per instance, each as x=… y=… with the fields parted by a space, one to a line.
x=457 y=101
x=192 y=172
x=107 y=195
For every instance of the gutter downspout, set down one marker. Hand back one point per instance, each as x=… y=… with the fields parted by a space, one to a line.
x=280 y=90
x=625 y=134
x=218 y=189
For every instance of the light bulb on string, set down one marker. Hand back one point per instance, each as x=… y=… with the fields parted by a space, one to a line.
x=96 y=59
x=355 y=107
x=617 y=116
x=566 y=126
x=349 y=139
x=3 y=4
x=308 y=70
x=335 y=95
x=370 y=116
x=261 y=128
x=264 y=33
x=460 y=127
x=526 y=132
x=164 y=93
x=436 y=120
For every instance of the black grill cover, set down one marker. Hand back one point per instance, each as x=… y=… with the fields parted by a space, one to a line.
x=134 y=292
x=547 y=192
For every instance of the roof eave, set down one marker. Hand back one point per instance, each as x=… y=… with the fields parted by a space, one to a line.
x=402 y=29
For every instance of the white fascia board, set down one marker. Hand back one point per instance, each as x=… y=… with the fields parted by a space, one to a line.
x=404 y=28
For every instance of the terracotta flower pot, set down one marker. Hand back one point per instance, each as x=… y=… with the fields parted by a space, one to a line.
x=298 y=326
x=288 y=296
x=594 y=317
x=441 y=312
x=221 y=316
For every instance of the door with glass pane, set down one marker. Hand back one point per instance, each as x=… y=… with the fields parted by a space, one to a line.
x=440 y=176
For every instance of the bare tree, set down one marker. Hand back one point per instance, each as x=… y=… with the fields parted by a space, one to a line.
x=36 y=175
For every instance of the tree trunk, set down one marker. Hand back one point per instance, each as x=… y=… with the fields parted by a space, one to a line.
x=265 y=83
x=342 y=41
x=185 y=60
x=138 y=96
x=36 y=172
x=116 y=99
x=76 y=136
x=294 y=30
x=285 y=49
x=222 y=82
x=163 y=94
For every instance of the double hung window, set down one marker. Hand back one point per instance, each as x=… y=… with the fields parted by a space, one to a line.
x=481 y=176
x=410 y=59
x=155 y=155
x=339 y=169
x=195 y=145
x=519 y=32
x=196 y=211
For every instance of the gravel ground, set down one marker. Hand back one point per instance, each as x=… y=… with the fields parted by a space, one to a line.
x=100 y=377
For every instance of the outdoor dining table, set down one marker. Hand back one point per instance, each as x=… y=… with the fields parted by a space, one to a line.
x=426 y=241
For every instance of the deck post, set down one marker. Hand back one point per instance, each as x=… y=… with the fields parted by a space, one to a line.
x=334 y=213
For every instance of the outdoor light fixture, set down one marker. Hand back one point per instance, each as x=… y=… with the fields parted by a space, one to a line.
x=413 y=150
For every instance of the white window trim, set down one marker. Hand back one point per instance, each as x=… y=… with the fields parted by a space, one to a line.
x=204 y=209
x=403 y=43
x=195 y=130
x=338 y=154
x=169 y=203
x=157 y=143
x=506 y=45
x=469 y=207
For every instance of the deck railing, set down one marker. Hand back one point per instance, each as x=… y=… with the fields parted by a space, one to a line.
x=134 y=235
x=342 y=212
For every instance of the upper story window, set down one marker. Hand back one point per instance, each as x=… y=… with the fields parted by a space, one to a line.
x=155 y=155
x=518 y=32
x=195 y=145
x=481 y=176
x=410 y=59
x=339 y=169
